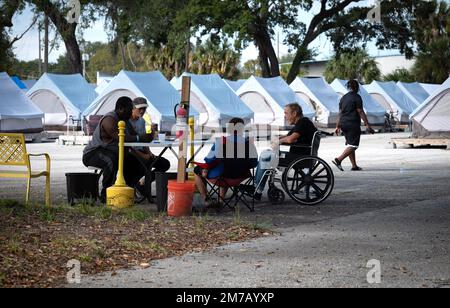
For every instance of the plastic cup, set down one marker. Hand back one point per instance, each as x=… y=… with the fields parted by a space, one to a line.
x=162 y=137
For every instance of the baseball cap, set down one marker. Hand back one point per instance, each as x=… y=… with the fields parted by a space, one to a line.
x=139 y=103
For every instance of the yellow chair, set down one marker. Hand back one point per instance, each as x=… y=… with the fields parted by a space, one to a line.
x=13 y=152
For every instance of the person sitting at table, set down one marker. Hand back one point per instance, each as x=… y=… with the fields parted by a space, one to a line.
x=103 y=150
x=235 y=147
x=137 y=124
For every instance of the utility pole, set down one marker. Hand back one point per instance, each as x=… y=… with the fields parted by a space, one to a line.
x=46 y=25
x=40 y=50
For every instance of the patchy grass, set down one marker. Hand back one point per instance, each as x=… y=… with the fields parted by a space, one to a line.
x=37 y=242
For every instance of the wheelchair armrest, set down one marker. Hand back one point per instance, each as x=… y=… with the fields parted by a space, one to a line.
x=299 y=146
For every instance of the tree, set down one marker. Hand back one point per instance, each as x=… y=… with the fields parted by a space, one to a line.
x=432 y=33
x=246 y=21
x=212 y=58
x=7 y=11
x=251 y=68
x=402 y=75
x=355 y=65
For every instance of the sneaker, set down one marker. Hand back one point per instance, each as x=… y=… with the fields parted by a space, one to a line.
x=257 y=196
x=139 y=194
x=337 y=163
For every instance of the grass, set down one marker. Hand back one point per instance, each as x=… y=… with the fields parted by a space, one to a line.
x=36 y=241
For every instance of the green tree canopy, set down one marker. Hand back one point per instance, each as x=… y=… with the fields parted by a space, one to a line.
x=353 y=65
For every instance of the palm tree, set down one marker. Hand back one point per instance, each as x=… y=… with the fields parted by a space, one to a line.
x=353 y=65
x=432 y=33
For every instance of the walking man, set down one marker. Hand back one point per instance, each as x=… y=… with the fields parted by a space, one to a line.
x=351 y=112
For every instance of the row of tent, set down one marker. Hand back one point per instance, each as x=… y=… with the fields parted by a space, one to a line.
x=64 y=100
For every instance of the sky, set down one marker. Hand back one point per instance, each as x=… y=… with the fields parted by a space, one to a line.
x=27 y=48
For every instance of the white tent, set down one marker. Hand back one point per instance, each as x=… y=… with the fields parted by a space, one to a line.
x=375 y=112
x=17 y=113
x=267 y=97
x=62 y=97
x=235 y=85
x=153 y=86
x=414 y=91
x=102 y=86
x=214 y=100
x=432 y=118
x=430 y=88
x=389 y=95
x=318 y=93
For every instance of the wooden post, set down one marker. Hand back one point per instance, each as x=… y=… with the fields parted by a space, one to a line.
x=182 y=153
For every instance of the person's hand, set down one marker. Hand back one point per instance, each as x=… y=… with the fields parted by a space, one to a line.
x=370 y=130
x=338 y=131
x=146 y=138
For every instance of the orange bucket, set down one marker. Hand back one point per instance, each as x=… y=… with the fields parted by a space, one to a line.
x=180 y=198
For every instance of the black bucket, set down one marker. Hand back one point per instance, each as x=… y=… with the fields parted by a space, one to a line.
x=82 y=186
x=162 y=180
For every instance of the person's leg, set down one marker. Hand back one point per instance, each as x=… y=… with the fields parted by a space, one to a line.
x=199 y=182
x=134 y=170
x=352 y=157
x=161 y=165
x=108 y=162
x=349 y=151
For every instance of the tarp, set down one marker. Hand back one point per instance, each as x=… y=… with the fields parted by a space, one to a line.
x=62 y=97
x=389 y=95
x=215 y=100
x=235 y=85
x=102 y=86
x=19 y=83
x=17 y=113
x=267 y=97
x=153 y=86
x=430 y=88
x=432 y=118
x=375 y=112
x=29 y=83
x=321 y=96
x=414 y=91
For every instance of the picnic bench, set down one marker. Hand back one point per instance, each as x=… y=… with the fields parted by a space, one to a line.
x=13 y=153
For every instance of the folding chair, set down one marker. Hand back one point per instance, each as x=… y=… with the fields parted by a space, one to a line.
x=231 y=180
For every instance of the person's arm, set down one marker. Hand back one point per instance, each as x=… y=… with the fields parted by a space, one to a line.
x=290 y=139
x=110 y=131
x=339 y=123
x=363 y=116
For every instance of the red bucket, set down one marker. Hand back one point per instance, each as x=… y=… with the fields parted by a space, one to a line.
x=180 y=198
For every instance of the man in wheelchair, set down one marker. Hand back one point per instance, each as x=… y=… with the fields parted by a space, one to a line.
x=299 y=139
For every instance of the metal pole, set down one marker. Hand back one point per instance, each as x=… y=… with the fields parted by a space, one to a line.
x=120 y=195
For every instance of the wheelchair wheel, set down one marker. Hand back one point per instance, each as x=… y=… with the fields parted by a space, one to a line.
x=308 y=180
x=276 y=196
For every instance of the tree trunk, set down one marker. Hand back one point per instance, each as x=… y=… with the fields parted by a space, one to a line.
x=300 y=57
x=122 y=55
x=267 y=55
x=67 y=31
x=73 y=52
x=46 y=25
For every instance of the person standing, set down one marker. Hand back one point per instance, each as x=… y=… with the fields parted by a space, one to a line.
x=351 y=112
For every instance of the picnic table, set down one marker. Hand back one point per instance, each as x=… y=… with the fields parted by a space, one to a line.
x=168 y=145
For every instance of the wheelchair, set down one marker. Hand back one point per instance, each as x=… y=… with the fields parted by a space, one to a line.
x=308 y=180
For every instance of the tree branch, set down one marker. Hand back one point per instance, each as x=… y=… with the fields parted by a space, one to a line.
x=18 y=38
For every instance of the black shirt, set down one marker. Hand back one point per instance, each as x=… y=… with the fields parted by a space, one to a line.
x=348 y=108
x=306 y=129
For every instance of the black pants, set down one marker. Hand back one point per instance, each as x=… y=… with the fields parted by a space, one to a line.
x=108 y=161
x=159 y=165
